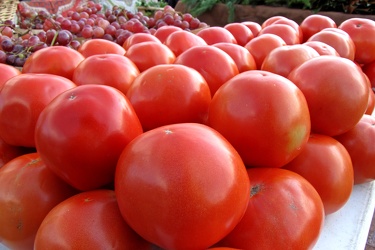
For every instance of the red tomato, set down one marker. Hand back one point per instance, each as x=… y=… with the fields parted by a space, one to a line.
x=292 y=24
x=81 y=133
x=100 y=46
x=271 y=20
x=212 y=63
x=9 y=152
x=359 y=141
x=369 y=70
x=338 y=39
x=286 y=32
x=119 y=70
x=282 y=60
x=322 y=48
x=241 y=56
x=7 y=72
x=241 y=32
x=253 y=26
x=163 y=32
x=327 y=165
x=56 y=60
x=260 y=46
x=284 y=212
x=314 y=23
x=193 y=182
x=169 y=93
x=22 y=99
x=88 y=220
x=336 y=91
x=263 y=115
x=182 y=40
x=371 y=103
x=148 y=54
x=139 y=38
x=362 y=32
x=28 y=191
x=216 y=34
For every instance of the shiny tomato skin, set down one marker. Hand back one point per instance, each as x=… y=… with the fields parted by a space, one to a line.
x=361 y=31
x=187 y=174
x=169 y=93
x=119 y=70
x=97 y=223
x=7 y=72
x=22 y=99
x=81 y=133
x=359 y=142
x=216 y=34
x=139 y=38
x=182 y=40
x=241 y=32
x=369 y=70
x=263 y=115
x=332 y=84
x=292 y=24
x=322 y=48
x=163 y=32
x=371 y=103
x=314 y=23
x=212 y=63
x=327 y=165
x=284 y=212
x=271 y=20
x=286 y=32
x=28 y=191
x=9 y=152
x=61 y=61
x=253 y=26
x=100 y=46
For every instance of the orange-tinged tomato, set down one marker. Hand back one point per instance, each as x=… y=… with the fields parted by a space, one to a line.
x=139 y=38
x=241 y=32
x=182 y=40
x=163 y=32
x=100 y=46
x=285 y=31
x=216 y=34
x=7 y=72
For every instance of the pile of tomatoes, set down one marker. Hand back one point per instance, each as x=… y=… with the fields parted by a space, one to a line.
x=237 y=137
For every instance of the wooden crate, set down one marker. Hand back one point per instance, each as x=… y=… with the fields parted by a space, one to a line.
x=8 y=9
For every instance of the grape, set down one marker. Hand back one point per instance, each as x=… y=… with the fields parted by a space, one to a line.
x=75 y=44
x=64 y=37
x=87 y=32
x=50 y=35
x=3 y=56
x=11 y=58
x=6 y=31
x=98 y=32
x=7 y=45
x=17 y=48
x=19 y=61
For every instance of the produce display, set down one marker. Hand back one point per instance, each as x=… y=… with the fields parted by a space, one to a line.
x=153 y=130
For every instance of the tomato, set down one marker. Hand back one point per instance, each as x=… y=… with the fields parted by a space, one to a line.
x=241 y=32
x=147 y=54
x=284 y=212
x=163 y=32
x=100 y=46
x=359 y=142
x=314 y=23
x=241 y=56
x=285 y=31
x=338 y=39
x=371 y=103
x=139 y=38
x=193 y=181
x=88 y=220
x=322 y=48
x=119 y=70
x=28 y=191
x=169 y=93
x=9 y=152
x=56 y=60
x=253 y=26
x=212 y=63
x=182 y=40
x=271 y=20
x=327 y=165
x=216 y=34
x=362 y=32
x=282 y=60
x=263 y=115
x=292 y=24
x=336 y=91
x=260 y=46
x=22 y=99
x=81 y=133
x=369 y=70
x=7 y=72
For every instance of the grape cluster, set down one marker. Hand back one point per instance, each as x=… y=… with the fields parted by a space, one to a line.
x=89 y=21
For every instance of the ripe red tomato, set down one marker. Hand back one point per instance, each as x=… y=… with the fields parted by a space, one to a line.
x=119 y=70
x=56 y=60
x=182 y=40
x=322 y=48
x=253 y=26
x=285 y=31
x=241 y=32
x=216 y=34
x=81 y=133
x=100 y=46
x=336 y=91
x=169 y=93
x=314 y=23
x=212 y=63
x=241 y=56
x=163 y=32
x=9 y=152
x=88 y=220
x=362 y=32
x=284 y=212
x=263 y=115
x=22 y=99
x=371 y=103
x=260 y=46
x=327 y=165
x=193 y=181
x=147 y=54
x=271 y=20
x=7 y=72
x=359 y=141
x=292 y=24
x=282 y=60
x=369 y=70
x=28 y=191
x=139 y=38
